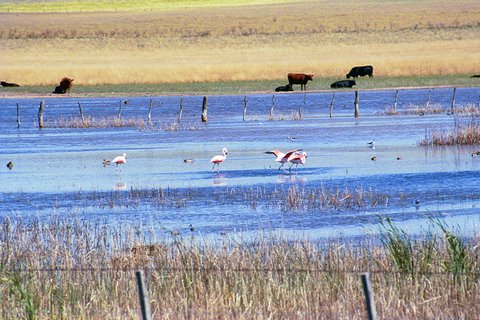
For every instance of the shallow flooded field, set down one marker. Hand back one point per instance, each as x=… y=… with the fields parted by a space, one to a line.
x=58 y=170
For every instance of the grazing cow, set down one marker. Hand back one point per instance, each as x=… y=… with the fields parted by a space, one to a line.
x=8 y=84
x=343 y=84
x=64 y=87
x=287 y=87
x=360 y=72
x=299 y=78
x=475 y=76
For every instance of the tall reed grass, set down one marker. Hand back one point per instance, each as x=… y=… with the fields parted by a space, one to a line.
x=68 y=269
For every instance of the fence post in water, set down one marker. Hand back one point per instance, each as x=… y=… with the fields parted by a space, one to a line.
x=273 y=106
x=369 y=301
x=204 y=109
x=244 y=107
x=143 y=295
x=453 y=98
x=180 y=111
x=395 y=102
x=150 y=113
x=356 y=113
x=40 y=115
x=331 y=104
x=18 y=116
x=120 y=110
x=427 y=103
x=81 y=113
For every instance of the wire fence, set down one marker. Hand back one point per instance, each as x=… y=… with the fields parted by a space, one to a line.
x=242 y=270
x=145 y=111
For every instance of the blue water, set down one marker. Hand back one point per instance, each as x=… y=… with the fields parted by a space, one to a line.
x=57 y=169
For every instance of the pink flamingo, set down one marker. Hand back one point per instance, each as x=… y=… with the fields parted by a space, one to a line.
x=216 y=160
x=297 y=158
x=282 y=157
x=117 y=160
x=120 y=159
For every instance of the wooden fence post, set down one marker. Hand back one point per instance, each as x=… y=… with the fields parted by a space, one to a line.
x=395 y=102
x=149 y=117
x=18 y=116
x=453 y=98
x=356 y=113
x=40 y=115
x=120 y=110
x=180 y=111
x=331 y=104
x=204 y=109
x=81 y=113
x=244 y=107
x=143 y=295
x=273 y=106
x=369 y=301
x=427 y=103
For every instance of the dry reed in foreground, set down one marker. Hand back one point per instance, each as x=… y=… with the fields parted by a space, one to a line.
x=68 y=269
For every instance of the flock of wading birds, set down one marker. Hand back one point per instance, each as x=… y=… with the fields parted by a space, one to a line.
x=294 y=157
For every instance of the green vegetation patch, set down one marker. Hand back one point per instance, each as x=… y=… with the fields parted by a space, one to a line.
x=246 y=87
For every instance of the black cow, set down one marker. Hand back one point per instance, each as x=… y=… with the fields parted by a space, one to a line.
x=475 y=76
x=360 y=72
x=59 y=90
x=343 y=84
x=287 y=87
x=8 y=84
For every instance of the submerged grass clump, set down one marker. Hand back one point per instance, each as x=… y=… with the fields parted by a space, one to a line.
x=67 y=269
x=116 y=122
x=412 y=109
x=464 y=132
x=96 y=122
x=293 y=199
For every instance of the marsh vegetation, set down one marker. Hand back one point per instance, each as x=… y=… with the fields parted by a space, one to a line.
x=60 y=268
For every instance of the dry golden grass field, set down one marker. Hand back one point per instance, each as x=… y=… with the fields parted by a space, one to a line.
x=252 y=41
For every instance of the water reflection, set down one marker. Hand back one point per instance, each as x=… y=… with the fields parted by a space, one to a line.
x=120 y=184
x=291 y=178
x=219 y=179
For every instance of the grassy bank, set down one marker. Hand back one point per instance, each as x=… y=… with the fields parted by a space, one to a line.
x=241 y=87
x=67 y=269
x=256 y=41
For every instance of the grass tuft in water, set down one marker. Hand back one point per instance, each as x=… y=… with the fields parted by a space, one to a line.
x=465 y=132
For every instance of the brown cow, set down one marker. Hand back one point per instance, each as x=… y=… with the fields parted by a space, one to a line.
x=64 y=87
x=299 y=78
